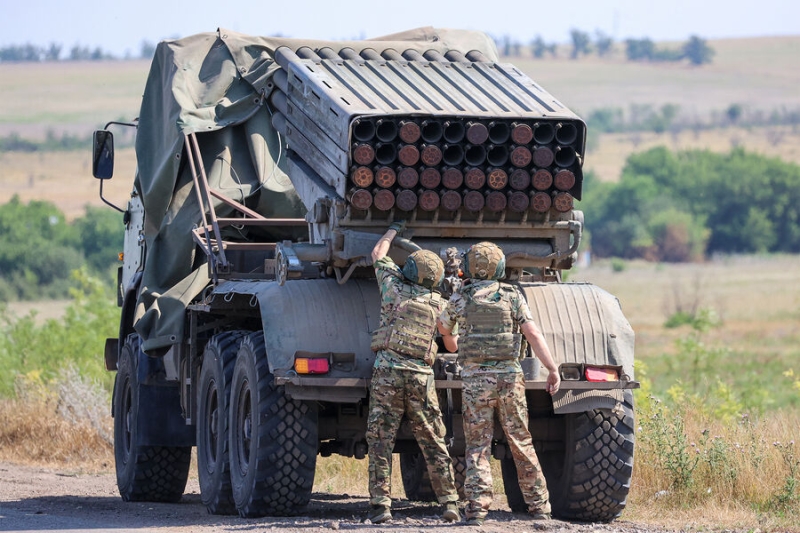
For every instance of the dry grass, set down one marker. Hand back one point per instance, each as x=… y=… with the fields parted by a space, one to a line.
x=741 y=473
x=57 y=426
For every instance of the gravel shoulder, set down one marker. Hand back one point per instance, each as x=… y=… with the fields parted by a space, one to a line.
x=42 y=499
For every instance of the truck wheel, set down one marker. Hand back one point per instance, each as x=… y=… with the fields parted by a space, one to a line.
x=417 y=481
x=213 y=463
x=273 y=439
x=589 y=480
x=144 y=473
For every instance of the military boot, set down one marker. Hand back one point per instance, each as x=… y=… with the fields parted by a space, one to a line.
x=451 y=513
x=379 y=514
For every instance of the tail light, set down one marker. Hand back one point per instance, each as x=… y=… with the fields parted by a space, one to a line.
x=307 y=365
x=594 y=373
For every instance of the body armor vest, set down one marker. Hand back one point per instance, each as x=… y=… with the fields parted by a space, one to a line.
x=411 y=326
x=490 y=333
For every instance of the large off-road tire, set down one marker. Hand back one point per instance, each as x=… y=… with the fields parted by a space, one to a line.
x=144 y=473
x=273 y=439
x=213 y=397
x=417 y=481
x=589 y=480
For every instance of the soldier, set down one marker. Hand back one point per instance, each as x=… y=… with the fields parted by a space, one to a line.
x=490 y=316
x=402 y=379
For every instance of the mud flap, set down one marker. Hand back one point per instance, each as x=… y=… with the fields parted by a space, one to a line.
x=160 y=421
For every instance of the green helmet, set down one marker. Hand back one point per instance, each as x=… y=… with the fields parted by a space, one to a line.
x=485 y=260
x=425 y=268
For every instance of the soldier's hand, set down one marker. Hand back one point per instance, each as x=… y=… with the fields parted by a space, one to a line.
x=398 y=226
x=553 y=382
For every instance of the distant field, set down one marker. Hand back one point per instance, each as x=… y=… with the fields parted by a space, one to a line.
x=761 y=74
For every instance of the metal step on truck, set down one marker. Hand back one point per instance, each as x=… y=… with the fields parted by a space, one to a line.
x=267 y=169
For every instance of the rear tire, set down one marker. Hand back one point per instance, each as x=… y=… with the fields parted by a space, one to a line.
x=213 y=459
x=589 y=480
x=273 y=439
x=417 y=481
x=144 y=473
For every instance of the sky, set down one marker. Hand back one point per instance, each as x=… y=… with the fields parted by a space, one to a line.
x=120 y=27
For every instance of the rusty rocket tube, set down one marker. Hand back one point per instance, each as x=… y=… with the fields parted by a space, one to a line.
x=541 y=202
x=518 y=201
x=542 y=180
x=407 y=177
x=362 y=176
x=496 y=178
x=406 y=200
x=520 y=179
x=430 y=178
x=452 y=178
x=360 y=199
x=563 y=202
x=564 y=180
x=521 y=133
x=451 y=200
x=409 y=131
x=474 y=178
x=520 y=156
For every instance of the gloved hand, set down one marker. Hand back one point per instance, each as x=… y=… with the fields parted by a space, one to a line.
x=398 y=226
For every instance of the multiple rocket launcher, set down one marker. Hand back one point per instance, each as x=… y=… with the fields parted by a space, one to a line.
x=429 y=133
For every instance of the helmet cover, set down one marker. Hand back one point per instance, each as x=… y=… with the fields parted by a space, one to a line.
x=425 y=268
x=485 y=260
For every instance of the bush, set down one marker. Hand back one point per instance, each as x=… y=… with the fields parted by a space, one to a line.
x=77 y=339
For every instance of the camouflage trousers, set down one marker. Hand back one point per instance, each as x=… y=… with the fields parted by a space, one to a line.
x=488 y=396
x=393 y=394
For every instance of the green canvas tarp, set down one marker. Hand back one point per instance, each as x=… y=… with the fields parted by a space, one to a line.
x=216 y=85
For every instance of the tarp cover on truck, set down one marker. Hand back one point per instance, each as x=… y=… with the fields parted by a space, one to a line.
x=215 y=85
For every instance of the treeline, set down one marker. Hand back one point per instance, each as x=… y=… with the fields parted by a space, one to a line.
x=53 y=142
x=696 y=50
x=30 y=53
x=668 y=118
x=40 y=249
x=687 y=205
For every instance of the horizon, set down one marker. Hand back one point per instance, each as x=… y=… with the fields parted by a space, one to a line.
x=122 y=29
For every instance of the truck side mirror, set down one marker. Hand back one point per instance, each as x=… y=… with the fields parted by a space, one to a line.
x=103 y=154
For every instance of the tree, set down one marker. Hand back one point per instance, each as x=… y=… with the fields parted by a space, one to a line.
x=639 y=49
x=53 y=52
x=697 y=51
x=581 y=43
x=147 y=50
x=604 y=43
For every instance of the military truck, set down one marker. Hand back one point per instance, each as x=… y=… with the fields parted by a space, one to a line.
x=267 y=169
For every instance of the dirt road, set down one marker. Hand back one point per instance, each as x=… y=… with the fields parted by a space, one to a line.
x=37 y=499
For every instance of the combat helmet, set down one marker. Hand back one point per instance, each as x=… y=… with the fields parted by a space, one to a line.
x=425 y=268
x=485 y=260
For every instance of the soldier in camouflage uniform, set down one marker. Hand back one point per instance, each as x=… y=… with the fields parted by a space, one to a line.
x=494 y=323
x=402 y=381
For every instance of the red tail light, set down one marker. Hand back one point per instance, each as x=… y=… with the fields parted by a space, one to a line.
x=306 y=365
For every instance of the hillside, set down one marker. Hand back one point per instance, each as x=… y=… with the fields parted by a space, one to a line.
x=759 y=74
